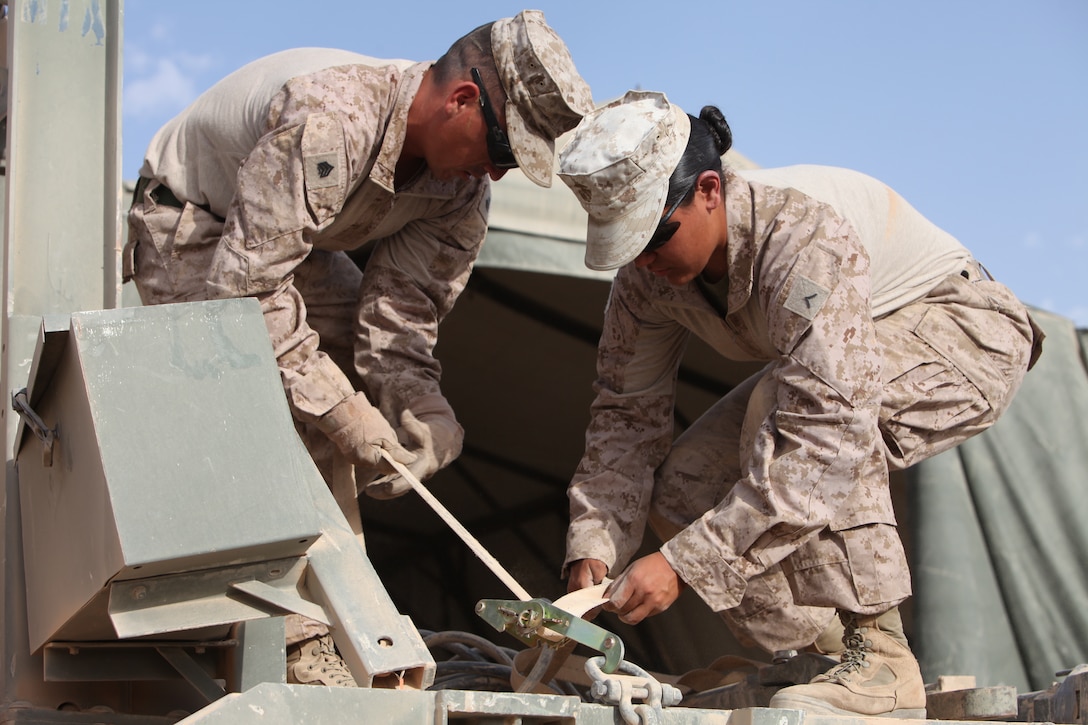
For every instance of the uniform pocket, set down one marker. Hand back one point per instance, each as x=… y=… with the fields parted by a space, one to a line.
x=878 y=564
x=194 y=242
x=856 y=569
x=171 y=250
x=943 y=333
x=951 y=362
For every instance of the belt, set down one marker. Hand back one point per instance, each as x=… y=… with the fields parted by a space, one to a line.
x=974 y=271
x=162 y=194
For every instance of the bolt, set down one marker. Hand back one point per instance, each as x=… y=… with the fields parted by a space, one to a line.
x=139 y=592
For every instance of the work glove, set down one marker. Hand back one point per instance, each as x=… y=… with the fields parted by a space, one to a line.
x=433 y=435
x=360 y=431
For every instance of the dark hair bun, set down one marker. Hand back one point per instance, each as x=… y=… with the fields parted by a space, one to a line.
x=715 y=120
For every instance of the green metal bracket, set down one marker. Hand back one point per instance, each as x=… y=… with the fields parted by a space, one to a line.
x=538 y=620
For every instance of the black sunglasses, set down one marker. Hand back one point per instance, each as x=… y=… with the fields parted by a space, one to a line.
x=666 y=229
x=498 y=145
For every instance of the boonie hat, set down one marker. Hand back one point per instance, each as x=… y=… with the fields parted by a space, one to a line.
x=618 y=164
x=545 y=95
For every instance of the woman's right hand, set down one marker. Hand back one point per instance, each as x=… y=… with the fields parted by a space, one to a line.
x=585 y=573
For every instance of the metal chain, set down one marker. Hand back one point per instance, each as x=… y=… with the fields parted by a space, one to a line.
x=622 y=692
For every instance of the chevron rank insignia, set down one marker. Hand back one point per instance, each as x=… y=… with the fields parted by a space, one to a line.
x=806 y=297
x=322 y=170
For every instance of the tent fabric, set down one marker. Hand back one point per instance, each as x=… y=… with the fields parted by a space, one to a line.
x=536 y=230
x=999 y=535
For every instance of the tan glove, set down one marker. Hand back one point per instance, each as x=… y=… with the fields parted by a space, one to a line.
x=359 y=430
x=434 y=437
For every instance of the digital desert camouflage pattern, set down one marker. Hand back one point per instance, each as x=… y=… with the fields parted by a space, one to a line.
x=312 y=169
x=289 y=206
x=618 y=165
x=545 y=94
x=785 y=480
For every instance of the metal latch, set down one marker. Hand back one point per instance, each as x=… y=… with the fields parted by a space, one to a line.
x=21 y=405
x=538 y=620
x=530 y=620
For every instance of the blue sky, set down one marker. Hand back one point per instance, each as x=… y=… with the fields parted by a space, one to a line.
x=974 y=110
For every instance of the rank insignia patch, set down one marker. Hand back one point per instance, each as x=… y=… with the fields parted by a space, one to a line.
x=806 y=297
x=322 y=170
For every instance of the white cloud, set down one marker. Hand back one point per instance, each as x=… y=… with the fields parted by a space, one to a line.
x=160 y=31
x=167 y=90
x=195 y=63
x=1033 y=240
x=137 y=62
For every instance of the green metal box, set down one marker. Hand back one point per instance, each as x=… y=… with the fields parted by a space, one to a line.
x=175 y=452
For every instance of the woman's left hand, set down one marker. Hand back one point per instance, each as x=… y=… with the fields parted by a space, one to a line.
x=648 y=586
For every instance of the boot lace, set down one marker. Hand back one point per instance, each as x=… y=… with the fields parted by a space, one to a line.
x=853 y=658
x=322 y=658
x=332 y=664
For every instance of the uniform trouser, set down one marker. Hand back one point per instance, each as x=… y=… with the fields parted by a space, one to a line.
x=952 y=363
x=168 y=256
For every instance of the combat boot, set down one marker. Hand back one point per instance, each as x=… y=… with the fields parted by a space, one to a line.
x=878 y=674
x=315 y=661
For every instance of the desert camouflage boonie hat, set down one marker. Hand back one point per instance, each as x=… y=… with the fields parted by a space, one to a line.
x=618 y=164
x=545 y=95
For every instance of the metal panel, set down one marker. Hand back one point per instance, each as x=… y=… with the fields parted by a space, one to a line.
x=261 y=655
x=190 y=419
x=269 y=703
x=60 y=222
x=63 y=573
x=60 y=160
x=192 y=600
x=125 y=661
x=170 y=458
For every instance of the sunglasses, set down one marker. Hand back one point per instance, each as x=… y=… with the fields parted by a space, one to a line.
x=666 y=229
x=498 y=145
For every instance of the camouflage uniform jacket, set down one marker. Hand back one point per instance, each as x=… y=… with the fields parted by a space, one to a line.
x=799 y=297
x=318 y=173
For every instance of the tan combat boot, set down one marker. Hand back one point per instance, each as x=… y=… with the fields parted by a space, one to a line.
x=315 y=661
x=878 y=675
